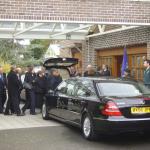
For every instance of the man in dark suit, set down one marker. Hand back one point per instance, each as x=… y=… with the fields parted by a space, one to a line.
x=13 y=92
x=19 y=73
x=3 y=85
x=53 y=80
x=29 y=83
x=105 y=70
x=90 y=72
x=147 y=73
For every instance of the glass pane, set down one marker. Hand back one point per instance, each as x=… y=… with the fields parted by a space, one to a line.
x=138 y=74
x=121 y=89
x=70 y=89
x=142 y=72
x=133 y=61
x=138 y=61
x=133 y=72
x=62 y=88
x=110 y=62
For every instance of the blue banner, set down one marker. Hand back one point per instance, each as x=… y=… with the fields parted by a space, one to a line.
x=124 y=62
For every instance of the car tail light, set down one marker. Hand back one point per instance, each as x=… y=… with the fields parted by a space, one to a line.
x=111 y=109
x=146 y=98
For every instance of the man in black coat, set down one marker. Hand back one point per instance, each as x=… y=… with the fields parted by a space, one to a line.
x=105 y=70
x=19 y=73
x=53 y=80
x=40 y=88
x=3 y=85
x=13 y=92
x=29 y=83
x=146 y=76
x=90 y=72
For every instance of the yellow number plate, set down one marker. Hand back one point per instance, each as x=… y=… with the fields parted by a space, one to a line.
x=140 y=110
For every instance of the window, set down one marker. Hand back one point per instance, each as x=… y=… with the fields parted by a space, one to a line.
x=81 y=91
x=71 y=88
x=62 y=88
x=137 y=67
x=122 y=89
x=85 y=89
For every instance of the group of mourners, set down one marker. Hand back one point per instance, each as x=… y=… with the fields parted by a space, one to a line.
x=91 y=72
x=35 y=85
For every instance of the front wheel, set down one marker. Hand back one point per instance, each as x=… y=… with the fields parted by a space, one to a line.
x=88 y=128
x=45 y=111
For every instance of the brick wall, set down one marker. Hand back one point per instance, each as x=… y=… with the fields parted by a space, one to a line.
x=119 y=11
x=148 y=49
x=139 y=35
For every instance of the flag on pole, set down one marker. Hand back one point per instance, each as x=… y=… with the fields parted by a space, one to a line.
x=124 y=62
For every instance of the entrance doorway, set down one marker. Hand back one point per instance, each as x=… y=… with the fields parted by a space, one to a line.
x=118 y=65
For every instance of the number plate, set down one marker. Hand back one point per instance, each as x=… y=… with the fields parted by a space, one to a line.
x=140 y=110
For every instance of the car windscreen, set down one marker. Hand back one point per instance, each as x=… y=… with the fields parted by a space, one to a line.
x=122 y=89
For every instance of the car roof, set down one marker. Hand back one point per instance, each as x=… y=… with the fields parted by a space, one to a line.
x=106 y=79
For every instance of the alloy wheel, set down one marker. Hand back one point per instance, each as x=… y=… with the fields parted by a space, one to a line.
x=44 y=110
x=87 y=127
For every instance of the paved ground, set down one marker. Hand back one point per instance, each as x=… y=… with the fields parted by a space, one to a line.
x=33 y=133
x=28 y=121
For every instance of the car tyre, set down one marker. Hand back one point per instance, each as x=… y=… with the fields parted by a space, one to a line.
x=88 y=128
x=45 y=114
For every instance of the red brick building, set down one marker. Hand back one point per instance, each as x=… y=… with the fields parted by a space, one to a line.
x=98 y=49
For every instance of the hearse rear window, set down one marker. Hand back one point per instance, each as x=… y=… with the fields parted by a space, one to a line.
x=119 y=89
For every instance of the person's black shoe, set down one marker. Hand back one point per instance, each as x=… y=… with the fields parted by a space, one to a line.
x=23 y=112
x=20 y=114
x=7 y=114
x=32 y=113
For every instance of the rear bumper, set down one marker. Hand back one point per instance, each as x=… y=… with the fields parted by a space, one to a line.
x=121 y=125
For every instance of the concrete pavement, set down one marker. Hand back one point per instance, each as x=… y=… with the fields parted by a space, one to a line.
x=27 y=121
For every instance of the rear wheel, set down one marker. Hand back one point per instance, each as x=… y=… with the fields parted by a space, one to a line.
x=88 y=128
x=45 y=111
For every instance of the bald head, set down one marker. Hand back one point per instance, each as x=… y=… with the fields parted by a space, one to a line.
x=19 y=70
x=89 y=67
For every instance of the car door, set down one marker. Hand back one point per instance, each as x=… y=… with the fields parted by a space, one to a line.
x=84 y=95
x=67 y=99
x=57 y=100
